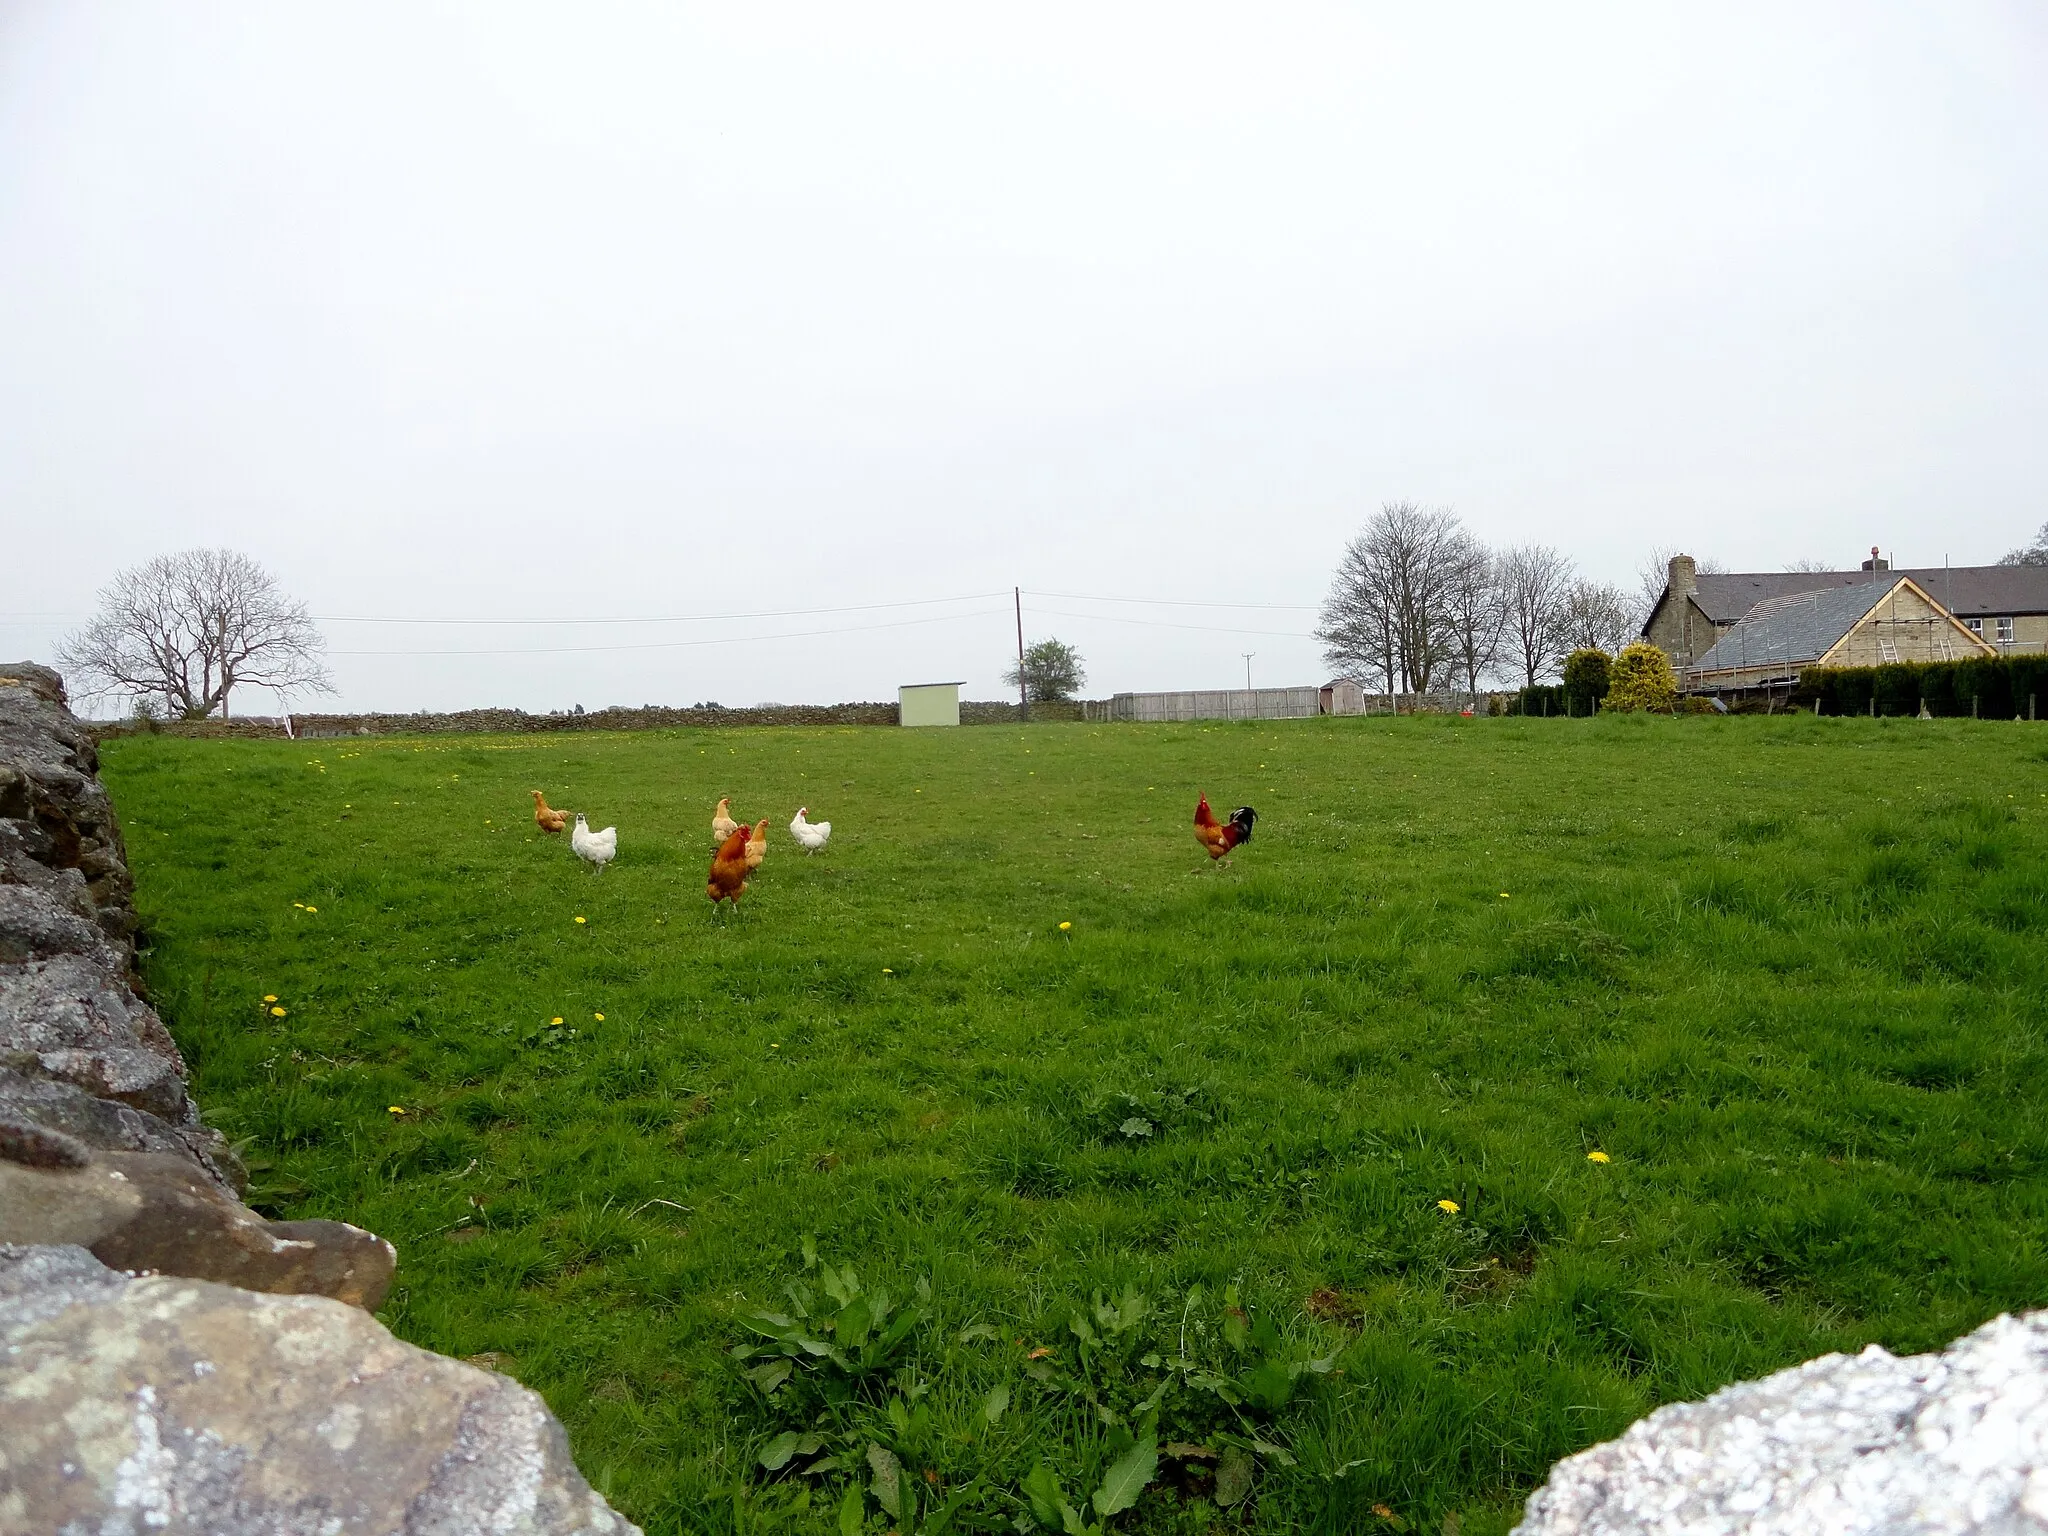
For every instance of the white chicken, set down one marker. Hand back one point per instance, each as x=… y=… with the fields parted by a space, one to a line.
x=598 y=848
x=812 y=835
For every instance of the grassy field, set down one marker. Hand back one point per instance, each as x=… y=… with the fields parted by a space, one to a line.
x=1274 y=1180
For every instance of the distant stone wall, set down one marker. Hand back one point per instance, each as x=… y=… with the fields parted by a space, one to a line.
x=648 y=717
x=189 y=1401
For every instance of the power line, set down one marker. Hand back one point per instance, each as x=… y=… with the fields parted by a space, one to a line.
x=667 y=645
x=1212 y=629
x=1171 y=602
x=675 y=618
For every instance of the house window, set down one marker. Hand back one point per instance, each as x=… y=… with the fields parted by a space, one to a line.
x=1975 y=626
x=2005 y=630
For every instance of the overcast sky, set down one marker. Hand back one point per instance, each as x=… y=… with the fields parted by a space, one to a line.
x=569 y=312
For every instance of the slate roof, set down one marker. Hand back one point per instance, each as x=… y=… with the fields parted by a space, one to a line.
x=1971 y=591
x=1792 y=630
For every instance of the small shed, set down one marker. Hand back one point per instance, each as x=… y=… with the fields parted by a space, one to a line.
x=928 y=704
x=1343 y=696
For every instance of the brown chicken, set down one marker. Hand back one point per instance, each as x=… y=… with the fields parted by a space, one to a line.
x=722 y=824
x=1219 y=837
x=757 y=845
x=545 y=817
x=728 y=880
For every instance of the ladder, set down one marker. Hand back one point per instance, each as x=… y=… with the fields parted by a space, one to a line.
x=1887 y=651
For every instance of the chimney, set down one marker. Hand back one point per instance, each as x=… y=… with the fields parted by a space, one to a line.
x=1875 y=563
x=1682 y=575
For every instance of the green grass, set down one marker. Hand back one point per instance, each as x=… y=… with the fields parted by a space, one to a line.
x=1790 y=975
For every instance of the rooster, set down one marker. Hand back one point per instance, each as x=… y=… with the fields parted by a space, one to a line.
x=545 y=816
x=722 y=824
x=598 y=848
x=1218 y=838
x=757 y=845
x=729 y=869
x=810 y=835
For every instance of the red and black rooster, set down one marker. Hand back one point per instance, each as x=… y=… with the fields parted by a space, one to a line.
x=1219 y=837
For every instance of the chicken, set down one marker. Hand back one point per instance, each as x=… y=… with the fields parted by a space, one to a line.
x=728 y=880
x=722 y=824
x=598 y=848
x=545 y=816
x=757 y=845
x=1218 y=838
x=811 y=835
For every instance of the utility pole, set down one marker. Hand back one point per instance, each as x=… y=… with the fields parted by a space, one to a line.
x=1247 y=655
x=1023 y=687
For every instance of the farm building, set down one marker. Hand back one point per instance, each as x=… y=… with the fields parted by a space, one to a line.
x=928 y=704
x=2004 y=605
x=1855 y=626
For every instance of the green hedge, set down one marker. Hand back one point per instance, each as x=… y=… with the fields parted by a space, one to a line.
x=1538 y=699
x=1999 y=687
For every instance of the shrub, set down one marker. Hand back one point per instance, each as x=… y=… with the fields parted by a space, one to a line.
x=1642 y=679
x=1538 y=699
x=1585 y=679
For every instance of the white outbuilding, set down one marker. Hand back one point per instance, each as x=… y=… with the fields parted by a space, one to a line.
x=928 y=704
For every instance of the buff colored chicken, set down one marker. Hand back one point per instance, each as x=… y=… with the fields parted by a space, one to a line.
x=757 y=845
x=728 y=880
x=722 y=824
x=545 y=816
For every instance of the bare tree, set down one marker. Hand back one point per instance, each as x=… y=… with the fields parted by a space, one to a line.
x=1534 y=582
x=1357 y=622
x=1808 y=567
x=190 y=628
x=2034 y=554
x=1597 y=617
x=1476 y=614
x=1388 y=608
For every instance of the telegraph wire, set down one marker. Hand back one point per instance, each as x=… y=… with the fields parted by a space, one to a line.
x=667 y=645
x=1166 y=602
x=673 y=618
x=1212 y=629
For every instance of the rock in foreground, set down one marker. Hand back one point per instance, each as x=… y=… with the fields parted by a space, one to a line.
x=183 y=1407
x=1954 y=1442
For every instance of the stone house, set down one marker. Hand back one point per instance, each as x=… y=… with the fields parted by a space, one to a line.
x=1866 y=625
x=2006 y=606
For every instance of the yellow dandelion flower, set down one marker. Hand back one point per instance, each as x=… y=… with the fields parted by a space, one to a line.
x=774 y=1045
x=1065 y=926
x=1598 y=1157
x=1448 y=1206
x=300 y=905
x=556 y=1019
x=599 y=1017
x=270 y=997
x=396 y=1109
x=1504 y=896
x=312 y=909
x=277 y=1013
x=887 y=972
x=581 y=919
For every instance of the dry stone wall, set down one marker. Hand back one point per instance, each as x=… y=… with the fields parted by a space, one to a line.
x=169 y=1360
x=649 y=717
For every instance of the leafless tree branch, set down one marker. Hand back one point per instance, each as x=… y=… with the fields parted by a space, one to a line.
x=190 y=628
